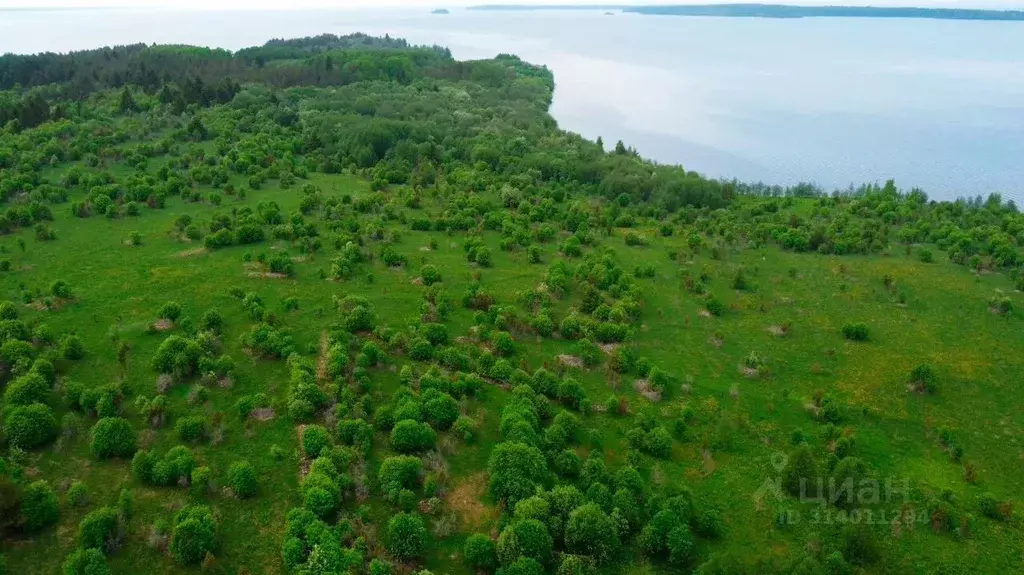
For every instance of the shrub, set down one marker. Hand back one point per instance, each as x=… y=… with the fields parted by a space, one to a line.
x=523 y=566
x=398 y=473
x=39 y=506
x=1001 y=305
x=859 y=545
x=78 y=494
x=61 y=290
x=191 y=428
x=211 y=321
x=714 y=306
x=525 y=538
x=800 y=472
x=409 y=436
x=856 y=331
x=242 y=478
x=480 y=552
x=194 y=534
x=430 y=275
x=993 y=508
x=29 y=426
x=85 y=562
x=590 y=531
x=26 y=390
x=406 y=536
x=440 y=410
x=71 y=347
x=925 y=255
x=922 y=378
x=314 y=439
x=99 y=529
x=516 y=471
x=170 y=311
x=113 y=437
x=504 y=344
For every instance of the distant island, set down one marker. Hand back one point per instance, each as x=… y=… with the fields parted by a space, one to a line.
x=440 y=11
x=784 y=11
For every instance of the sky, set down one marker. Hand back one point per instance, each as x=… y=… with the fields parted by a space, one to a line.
x=293 y=4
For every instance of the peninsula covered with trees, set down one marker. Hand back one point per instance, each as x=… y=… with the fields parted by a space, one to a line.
x=346 y=305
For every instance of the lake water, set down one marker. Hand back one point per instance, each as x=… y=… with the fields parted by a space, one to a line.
x=934 y=104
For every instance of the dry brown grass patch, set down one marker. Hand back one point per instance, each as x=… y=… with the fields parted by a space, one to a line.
x=163 y=325
x=643 y=387
x=466 y=499
x=571 y=361
x=190 y=253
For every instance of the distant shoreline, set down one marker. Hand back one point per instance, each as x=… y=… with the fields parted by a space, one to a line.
x=784 y=11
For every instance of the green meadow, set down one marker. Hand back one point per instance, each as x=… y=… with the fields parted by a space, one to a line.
x=527 y=354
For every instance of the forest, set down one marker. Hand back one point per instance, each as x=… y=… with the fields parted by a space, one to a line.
x=347 y=305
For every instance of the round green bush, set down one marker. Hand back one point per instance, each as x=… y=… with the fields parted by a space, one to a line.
x=78 y=494
x=86 y=562
x=98 y=529
x=523 y=566
x=441 y=410
x=406 y=536
x=113 y=437
x=526 y=538
x=194 y=534
x=398 y=473
x=480 y=552
x=39 y=506
x=242 y=478
x=856 y=332
x=591 y=532
x=170 y=311
x=409 y=436
x=29 y=426
x=72 y=348
x=191 y=428
x=314 y=439
x=26 y=390
x=430 y=275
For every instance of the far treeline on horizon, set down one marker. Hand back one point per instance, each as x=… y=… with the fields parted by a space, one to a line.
x=780 y=11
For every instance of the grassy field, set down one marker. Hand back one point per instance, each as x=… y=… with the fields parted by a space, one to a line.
x=741 y=422
x=741 y=353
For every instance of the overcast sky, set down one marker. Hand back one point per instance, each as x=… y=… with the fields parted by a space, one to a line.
x=292 y=4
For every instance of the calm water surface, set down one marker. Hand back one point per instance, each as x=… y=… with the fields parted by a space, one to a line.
x=933 y=104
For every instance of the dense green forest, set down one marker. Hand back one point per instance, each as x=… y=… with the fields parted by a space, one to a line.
x=345 y=305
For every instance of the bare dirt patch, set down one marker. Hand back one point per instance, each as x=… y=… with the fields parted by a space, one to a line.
x=570 y=360
x=164 y=383
x=321 y=360
x=708 y=465
x=262 y=414
x=267 y=275
x=609 y=348
x=466 y=499
x=163 y=325
x=776 y=330
x=643 y=387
